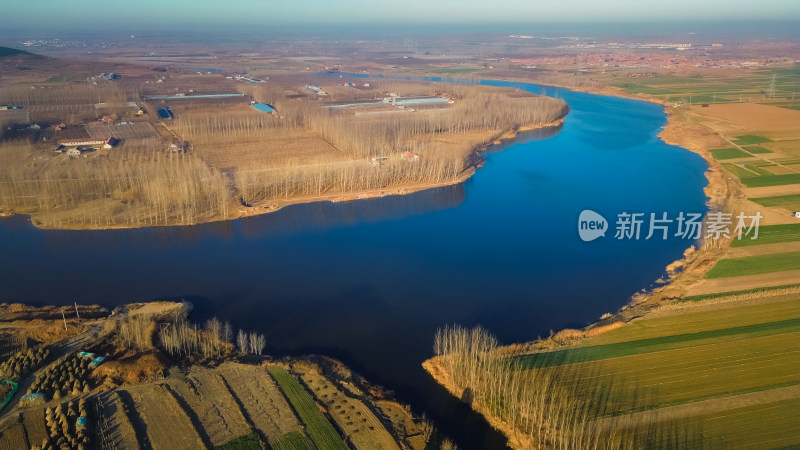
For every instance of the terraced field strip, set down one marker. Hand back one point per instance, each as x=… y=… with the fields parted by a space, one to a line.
x=657 y=344
x=756 y=149
x=207 y=396
x=317 y=425
x=293 y=441
x=741 y=171
x=743 y=292
x=763 y=426
x=680 y=356
x=691 y=373
x=363 y=429
x=729 y=153
x=749 y=139
x=771 y=180
x=752 y=265
x=13 y=435
x=35 y=428
x=168 y=426
x=771 y=234
x=413 y=433
x=114 y=429
x=786 y=201
x=260 y=401
x=698 y=318
x=246 y=442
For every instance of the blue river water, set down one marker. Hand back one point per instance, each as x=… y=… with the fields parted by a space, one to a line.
x=370 y=281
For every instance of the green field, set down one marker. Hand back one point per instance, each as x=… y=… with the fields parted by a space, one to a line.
x=724 y=369
x=454 y=71
x=753 y=265
x=292 y=441
x=771 y=234
x=749 y=139
x=59 y=79
x=728 y=153
x=657 y=344
x=317 y=425
x=704 y=352
x=755 y=149
x=246 y=442
x=771 y=180
x=743 y=171
x=791 y=201
x=709 y=88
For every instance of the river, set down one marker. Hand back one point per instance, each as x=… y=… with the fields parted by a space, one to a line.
x=370 y=281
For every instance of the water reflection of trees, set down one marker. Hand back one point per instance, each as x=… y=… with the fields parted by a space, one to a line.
x=290 y=220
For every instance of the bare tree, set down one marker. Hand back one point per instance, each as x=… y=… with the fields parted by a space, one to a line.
x=227 y=332
x=261 y=342
x=242 y=342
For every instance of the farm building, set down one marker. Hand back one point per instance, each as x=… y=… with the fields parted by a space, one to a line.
x=106 y=143
x=797 y=214
x=410 y=156
x=165 y=113
x=263 y=107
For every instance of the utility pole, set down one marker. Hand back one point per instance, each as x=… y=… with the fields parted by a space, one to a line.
x=65 y=319
x=771 y=92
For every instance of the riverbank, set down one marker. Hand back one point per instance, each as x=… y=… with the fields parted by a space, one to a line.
x=474 y=162
x=210 y=394
x=687 y=129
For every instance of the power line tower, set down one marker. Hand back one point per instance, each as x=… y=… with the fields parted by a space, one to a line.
x=771 y=92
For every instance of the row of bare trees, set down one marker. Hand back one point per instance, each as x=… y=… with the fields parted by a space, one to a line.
x=549 y=403
x=136 y=332
x=349 y=176
x=250 y=342
x=213 y=340
x=475 y=109
x=129 y=187
x=272 y=173
x=27 y=95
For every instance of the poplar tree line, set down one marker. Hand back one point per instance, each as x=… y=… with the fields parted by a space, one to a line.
x=560 y=406
x=128 y=188
x=213 y=340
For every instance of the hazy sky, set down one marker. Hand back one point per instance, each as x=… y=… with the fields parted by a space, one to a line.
x=113 y=13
